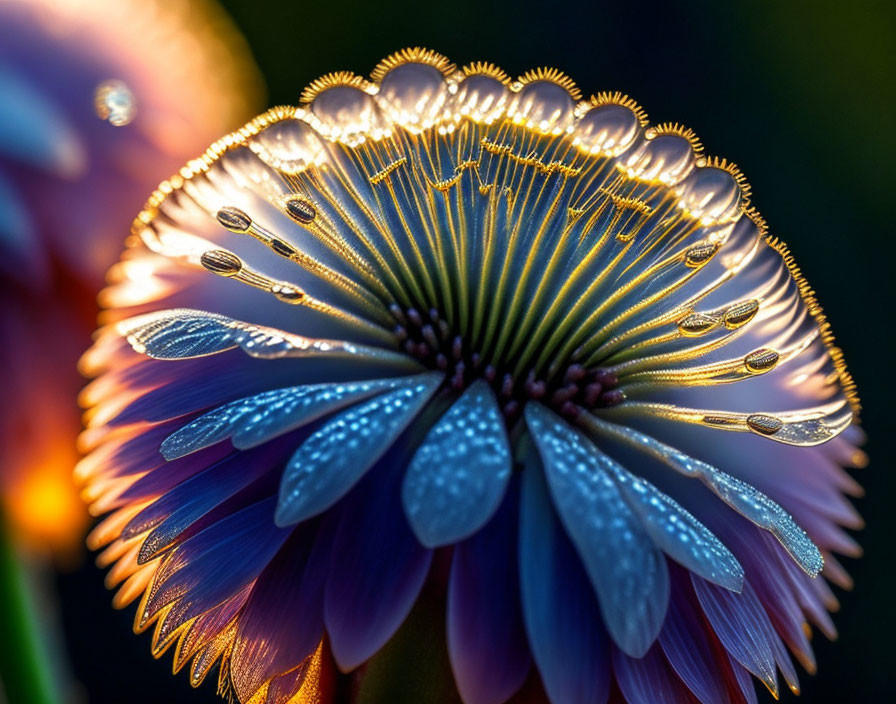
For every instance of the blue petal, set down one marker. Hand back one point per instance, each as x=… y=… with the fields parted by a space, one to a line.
x=35 y=131
x=377 y=571
x=336 y=456
x=459 y=474
x=486 y=638
x=744 y=682
x=256 y=419
x=742 y=497
x=559 y=609
x=676 y=532
x=628 y=572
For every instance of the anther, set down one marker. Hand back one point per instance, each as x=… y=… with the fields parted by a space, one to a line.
x=457 y=381
x=592 y=393
x=422 y=350
x=699 y=254
x=611 y=398
x=476 y=359
x=489 y=373
x=430 y=336
x=401 y=332
x=414 y=317
x=397 y=312
x=564 y=394
x=741 y=313
x=570 y=410
x=696 y=324
x=441 y=361
x=762 y=360
x=457 y=347
x=507 y=386
x=764 y=424
x=574 y=373
x=535 y=388
x=606 y=379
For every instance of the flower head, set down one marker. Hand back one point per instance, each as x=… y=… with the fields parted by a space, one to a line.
x=443 y=313
x=72 y=173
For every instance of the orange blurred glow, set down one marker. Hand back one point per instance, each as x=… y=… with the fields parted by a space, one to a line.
x=42 y=505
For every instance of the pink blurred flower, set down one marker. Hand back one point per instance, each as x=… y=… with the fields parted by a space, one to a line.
x=70 y=182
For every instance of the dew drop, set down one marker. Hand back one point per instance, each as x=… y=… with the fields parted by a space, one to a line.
x=764 y=424
x=114 y=102
x=221 y=262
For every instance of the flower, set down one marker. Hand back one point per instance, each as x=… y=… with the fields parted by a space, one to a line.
x=70 y=181
x=446 y=318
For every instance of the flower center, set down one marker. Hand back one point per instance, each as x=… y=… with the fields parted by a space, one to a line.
x=428 y=338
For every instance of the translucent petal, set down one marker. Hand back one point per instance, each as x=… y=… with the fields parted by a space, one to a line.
x=743 y=627
x=628 y=572
x=805 y=428
x=690 y=653
x=676 y=532
x=648 y=680
x=459 y=474
x=743 y=498
x=337 y=455
x=256 y=419
x=183 y=334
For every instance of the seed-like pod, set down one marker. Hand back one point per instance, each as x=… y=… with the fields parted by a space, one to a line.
x=221 y=262
x=234 y=219
x=762 y=360
x=699 y=254
x=740 y=314
x=764 y=424
x=300 y=209
x=697 y=324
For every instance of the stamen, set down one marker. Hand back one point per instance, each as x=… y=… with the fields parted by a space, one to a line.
x=238 y=221
x=229 y=265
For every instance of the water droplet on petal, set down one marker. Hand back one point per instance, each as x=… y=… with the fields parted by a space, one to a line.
x=115 y=103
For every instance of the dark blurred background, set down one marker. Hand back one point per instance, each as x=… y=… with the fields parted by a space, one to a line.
x=801 y=95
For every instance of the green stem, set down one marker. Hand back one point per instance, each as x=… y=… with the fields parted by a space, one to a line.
x=24 y=664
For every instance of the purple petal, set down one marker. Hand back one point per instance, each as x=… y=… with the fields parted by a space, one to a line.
x=648 y=680
x=685 y=643
x=743 y=627
x=282 y=623
x=486 y=638
x=377 y=572
x=216 y=563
